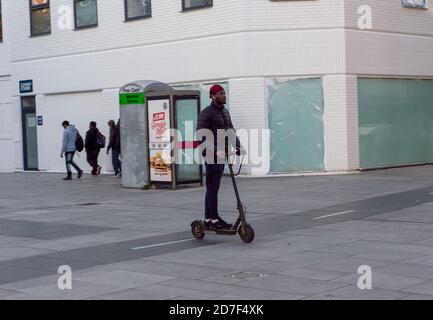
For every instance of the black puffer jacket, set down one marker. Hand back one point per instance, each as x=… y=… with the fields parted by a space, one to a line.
x=214 y=118
x=114 y=138
x=90 y=143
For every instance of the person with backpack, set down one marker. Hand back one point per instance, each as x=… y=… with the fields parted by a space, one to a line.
x=71 y=139
x=114 y=145
x=95 y=140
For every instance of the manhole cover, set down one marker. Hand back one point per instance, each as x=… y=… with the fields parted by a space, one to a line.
x=88 y=204
x=244 y=275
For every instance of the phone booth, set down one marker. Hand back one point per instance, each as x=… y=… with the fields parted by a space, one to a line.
x=158 y=125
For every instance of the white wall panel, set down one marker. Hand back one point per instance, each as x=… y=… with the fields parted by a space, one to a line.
x=79 y=109
x=230 y=56
x=374 y=53
x=167 y=24
x=7 y=148
x=249 y=115
x=341 y=123
x=390 y=16
x=5 y=69
x=18 y=133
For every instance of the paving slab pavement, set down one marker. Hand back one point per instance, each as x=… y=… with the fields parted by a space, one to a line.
x=312 y=235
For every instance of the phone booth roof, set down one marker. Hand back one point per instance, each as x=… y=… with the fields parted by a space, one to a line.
x=156 y=88
x=149 y=86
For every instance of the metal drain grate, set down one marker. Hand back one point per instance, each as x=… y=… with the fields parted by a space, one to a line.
x=244 y=275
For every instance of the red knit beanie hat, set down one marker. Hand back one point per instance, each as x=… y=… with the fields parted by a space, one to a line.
x=215 y=89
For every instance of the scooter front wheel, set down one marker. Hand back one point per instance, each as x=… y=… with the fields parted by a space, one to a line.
x=197 y=229
x=246 y=232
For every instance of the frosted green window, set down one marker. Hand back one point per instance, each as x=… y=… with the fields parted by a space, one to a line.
x=186 y=114
x=395 y=122
x=296 y=123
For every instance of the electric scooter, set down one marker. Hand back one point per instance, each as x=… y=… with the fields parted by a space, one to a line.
x=245 y=231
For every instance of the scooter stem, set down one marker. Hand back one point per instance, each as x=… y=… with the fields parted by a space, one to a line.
x=235 y=187
x=238 y=198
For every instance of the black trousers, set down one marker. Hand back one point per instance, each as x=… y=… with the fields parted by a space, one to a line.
x=92 y=159
x=115 y=153
x=214 y=173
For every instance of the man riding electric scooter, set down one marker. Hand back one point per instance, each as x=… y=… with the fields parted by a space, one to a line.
x=216 y=119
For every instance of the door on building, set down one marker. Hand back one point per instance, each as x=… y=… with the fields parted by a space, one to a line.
x=29 y=125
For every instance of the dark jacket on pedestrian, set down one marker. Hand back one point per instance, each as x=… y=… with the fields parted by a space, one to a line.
x=114 y=142
x=90 y=143
x=215 y=118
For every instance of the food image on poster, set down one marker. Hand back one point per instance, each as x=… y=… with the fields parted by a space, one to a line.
x=160 y=164
x=159 y=140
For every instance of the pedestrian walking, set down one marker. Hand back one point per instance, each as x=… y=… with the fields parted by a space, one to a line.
x=94 y=142
x=114 y=146
x=71 y=138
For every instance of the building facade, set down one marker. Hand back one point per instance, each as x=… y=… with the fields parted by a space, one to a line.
x=330 y=85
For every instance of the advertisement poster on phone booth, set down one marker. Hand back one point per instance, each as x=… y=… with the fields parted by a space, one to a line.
x=159 y=141
x=160 y=163
x=159 y=121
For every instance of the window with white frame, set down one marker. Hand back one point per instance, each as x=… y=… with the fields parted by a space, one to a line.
x=135 y=9
x=86 y=13
x=194 y=4
x=422 y=4
x=40 y=17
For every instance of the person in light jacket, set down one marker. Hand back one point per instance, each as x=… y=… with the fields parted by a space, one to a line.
x=69 y=149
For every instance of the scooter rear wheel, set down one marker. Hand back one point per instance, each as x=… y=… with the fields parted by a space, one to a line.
x=197 y=229
x=246 y=232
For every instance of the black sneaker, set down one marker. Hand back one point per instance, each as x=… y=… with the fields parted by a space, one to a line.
x=206 y=225
x=80 y=174
x=226 y=225
x=67 y=178
x=216 y=226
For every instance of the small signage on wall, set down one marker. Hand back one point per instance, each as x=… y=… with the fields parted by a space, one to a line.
x=26 y=86
x=40 y=121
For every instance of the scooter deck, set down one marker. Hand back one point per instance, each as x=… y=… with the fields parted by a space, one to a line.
x=222 y=231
